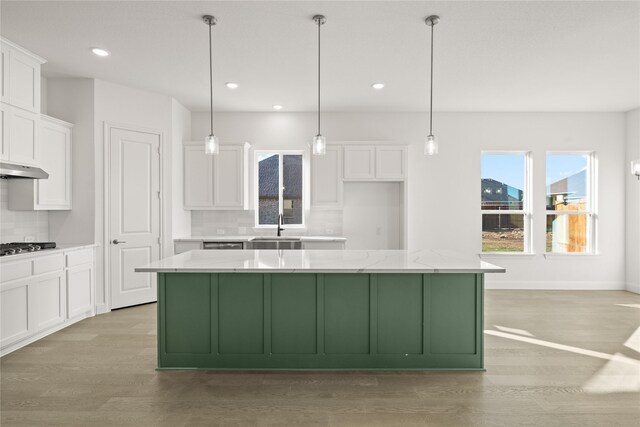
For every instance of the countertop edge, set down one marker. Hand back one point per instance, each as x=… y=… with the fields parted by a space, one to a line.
x=46 y=252
x=249 y=238
x=316 y=270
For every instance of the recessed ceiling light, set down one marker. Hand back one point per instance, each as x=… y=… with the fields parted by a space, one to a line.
x=377 y=86
x=232 y=85
x=100 y=52
x=277 y=107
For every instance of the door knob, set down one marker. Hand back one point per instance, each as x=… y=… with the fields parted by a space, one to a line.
x=117 y=242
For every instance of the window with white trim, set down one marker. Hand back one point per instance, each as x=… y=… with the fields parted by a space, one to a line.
x=505 y=202
x=570 y=200
x=279 y=188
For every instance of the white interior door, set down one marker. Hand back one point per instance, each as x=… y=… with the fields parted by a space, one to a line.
x=134 y=205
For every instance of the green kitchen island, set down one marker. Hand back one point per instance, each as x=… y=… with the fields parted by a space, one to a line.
x=320 y=309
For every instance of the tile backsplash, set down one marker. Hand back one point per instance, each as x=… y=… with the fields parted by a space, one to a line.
x=16 y=225
x=234 y=223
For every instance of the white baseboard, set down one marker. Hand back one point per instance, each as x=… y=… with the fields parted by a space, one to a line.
x=102 y=309
x=554 y=285
x=633 y=287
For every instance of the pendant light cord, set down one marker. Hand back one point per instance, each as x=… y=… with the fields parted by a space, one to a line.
x=431 y=87
x=211 y=77
x=319 y=24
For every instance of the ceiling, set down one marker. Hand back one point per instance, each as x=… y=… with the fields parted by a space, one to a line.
x=489 y=56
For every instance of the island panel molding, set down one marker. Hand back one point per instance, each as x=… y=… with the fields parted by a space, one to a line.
x=315 y=321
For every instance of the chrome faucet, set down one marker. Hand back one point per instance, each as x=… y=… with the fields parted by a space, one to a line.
x=280 y=222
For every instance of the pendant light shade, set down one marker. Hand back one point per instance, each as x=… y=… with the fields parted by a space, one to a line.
x=431 y=145
x=319 y=145
x=211 y=144
x=431 y=142
x=319 y=142
x=635 y=168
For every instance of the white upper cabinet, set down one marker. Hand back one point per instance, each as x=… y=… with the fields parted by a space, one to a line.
x=20 y=77
x=326 y=178
x=216 y=182
x=20 y=103
x=4 y=132
x=23 y=132
x=391 y=161
x=359 y=162
x=53 y=155
x=375 y=162
x=198 y=178
x=230 y=177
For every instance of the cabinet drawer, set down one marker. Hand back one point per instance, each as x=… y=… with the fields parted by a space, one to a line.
x=82 y=256
x=48 y=264
x=15 y=270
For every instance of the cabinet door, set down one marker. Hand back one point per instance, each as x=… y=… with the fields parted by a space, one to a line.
x=180 y=247
x=326 y=178
x=359 y=162
x=24 y=81
x=79 y=290
x=228 y=178
x=14 y=313
x=391 y=162
x=54 y=156
x=4 y=69
x=48 y=302
x=198 y=178
x=23 y=136
x=4 y=132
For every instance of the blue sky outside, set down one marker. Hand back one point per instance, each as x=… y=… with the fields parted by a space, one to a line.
x=506 y=168
x=560 y=166
x=509 y=168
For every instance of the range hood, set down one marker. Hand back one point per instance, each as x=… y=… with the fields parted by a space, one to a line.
x=10 y=170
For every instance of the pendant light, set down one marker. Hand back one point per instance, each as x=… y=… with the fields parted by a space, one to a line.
x=319 y=142
x=635 y=168
x=431 y=143
x=211 y=144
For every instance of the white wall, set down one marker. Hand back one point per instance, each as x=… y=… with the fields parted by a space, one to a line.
x=180 y=131
x=89 y=104
x=72 y=100
x=372 y=215
x=121 y=105
x=443 y=191
x=633 y=202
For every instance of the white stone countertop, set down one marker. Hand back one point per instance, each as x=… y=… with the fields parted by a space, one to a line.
x=45 y=252
x=225 y=238
x=321 y=261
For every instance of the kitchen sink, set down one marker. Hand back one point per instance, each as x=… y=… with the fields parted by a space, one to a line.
x=274 y=243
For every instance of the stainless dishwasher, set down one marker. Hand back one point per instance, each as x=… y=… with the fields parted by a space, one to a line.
x=222 y=245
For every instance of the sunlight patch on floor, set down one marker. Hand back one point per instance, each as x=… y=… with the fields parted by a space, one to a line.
x=563 y=347
x=629 y=305
x=617 y=376
x=513 y=330
x=634 y=341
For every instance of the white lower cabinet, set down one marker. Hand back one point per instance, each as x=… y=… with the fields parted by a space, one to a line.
x=323 y=245
x=79 y=290
x=180 y=247
x=47 y=302
x=44 y=293
x=14 y=313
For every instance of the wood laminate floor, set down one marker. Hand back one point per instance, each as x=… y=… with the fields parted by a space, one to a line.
x=553 y=358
